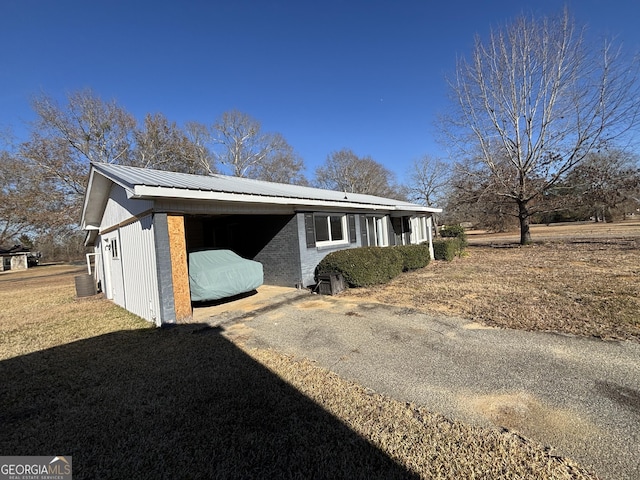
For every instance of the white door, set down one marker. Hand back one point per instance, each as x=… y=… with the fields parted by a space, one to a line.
x=113 y=279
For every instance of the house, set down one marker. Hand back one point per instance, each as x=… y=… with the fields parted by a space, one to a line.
x=143 y=223
x=17 y=258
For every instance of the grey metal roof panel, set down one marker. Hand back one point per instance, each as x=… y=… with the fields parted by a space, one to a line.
x=130 y=177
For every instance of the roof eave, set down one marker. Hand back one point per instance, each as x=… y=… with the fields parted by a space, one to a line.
x=154 y=192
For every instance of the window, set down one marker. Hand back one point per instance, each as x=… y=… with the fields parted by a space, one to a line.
x=377 y=231
x=419 y=229
x=330 y=229
x=114 y=249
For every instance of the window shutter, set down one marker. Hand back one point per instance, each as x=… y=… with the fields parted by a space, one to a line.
x=406 y=225
x=352 y=229
x=309 y=230
x=363 y=231
x=390 y=232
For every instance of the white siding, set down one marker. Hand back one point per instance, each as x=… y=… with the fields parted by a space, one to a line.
x=137 y=252
x=98 y=272
x=120 y=208
x=430 y=235
x=419 y=230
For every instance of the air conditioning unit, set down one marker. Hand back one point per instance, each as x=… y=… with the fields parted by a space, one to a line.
x=330 y=283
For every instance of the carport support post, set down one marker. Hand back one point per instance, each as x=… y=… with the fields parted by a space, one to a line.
x=179 y=268
x=167 y=312
x=430 y=236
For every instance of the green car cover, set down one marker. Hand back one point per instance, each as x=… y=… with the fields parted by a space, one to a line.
x=215 y=274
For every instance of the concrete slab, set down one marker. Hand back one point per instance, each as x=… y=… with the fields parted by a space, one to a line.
x=265 y=297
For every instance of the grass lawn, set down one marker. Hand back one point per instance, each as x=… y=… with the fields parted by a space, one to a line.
x=578 y=279
x=85 y=378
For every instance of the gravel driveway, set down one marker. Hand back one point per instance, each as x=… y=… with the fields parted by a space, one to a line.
x=579 y=396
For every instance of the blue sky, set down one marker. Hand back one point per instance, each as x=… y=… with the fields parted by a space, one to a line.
x=365 y=75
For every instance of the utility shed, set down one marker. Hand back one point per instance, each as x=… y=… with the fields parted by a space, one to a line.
x=143 y=223
x=13 y=261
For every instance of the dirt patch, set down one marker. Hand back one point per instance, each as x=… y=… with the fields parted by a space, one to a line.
x=476 y=326
x=314 y=304
x=238 y=332
x=523 y=412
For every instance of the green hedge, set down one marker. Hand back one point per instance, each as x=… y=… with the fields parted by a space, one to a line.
x=451 y=231
x=455 y=231
x=447 y=249
x=414 y=256
x=361 y=267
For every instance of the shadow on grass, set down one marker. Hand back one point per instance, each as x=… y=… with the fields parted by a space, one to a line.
x=173 y=403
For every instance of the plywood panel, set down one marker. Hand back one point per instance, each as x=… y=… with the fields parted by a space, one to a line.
x=179 y=269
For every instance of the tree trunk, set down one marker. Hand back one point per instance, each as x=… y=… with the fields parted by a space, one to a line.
x=523 y=216
x=436 y=230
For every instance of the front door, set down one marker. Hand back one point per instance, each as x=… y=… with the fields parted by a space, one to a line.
x=113 y=279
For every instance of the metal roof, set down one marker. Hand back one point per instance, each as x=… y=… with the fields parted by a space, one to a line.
x=147 y=183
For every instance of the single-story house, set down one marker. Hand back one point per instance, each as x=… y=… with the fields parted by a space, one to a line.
x=143 y=223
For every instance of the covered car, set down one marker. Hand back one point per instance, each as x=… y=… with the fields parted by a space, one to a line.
x=216 y=274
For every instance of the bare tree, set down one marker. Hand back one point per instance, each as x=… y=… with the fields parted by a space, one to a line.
x=345 y=171
x=13 y=221
x=96 y=130
x=242 y=148
x=284 y=166
x=603 y=182
x=31 y=203
x=199 y=136
x=162 y=145
x=474 y=197
x=428 y=181
x=65 y=139
x=531 y=103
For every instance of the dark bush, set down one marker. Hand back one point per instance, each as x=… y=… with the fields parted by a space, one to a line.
x=414 y=256
x=454 y=231
x=363 y=266
x=447 y=249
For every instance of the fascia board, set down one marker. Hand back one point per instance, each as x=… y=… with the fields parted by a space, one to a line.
x=86 y=200
x=145 y=191
x=96 y=195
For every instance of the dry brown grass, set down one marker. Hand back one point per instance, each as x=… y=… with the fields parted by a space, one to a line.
x=424 y=442
x=38 y=310
x=582 y=280
x=87 y=379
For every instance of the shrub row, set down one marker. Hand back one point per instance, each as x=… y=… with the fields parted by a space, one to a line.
x=414 y=256
x=453 y=243
x=453 y=231
x=447 y=249
x=367 y=266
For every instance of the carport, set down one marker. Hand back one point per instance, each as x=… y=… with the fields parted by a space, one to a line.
x=256 y=237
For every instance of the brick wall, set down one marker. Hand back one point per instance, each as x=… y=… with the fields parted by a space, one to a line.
x=280 y=257
x=310 y=256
